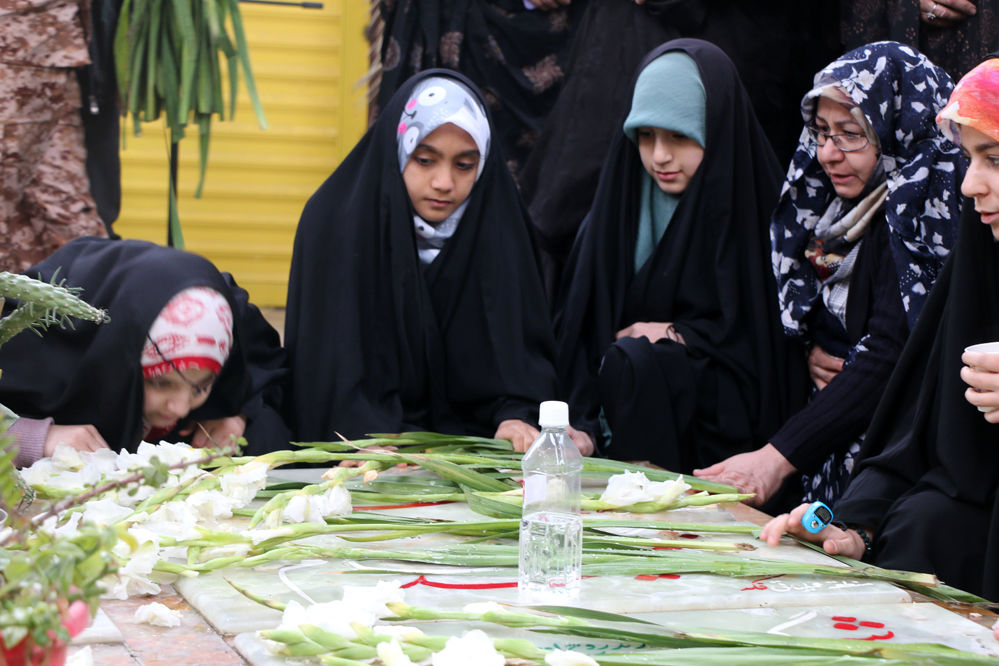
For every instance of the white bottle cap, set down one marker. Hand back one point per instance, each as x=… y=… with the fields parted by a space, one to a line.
x=553 y=414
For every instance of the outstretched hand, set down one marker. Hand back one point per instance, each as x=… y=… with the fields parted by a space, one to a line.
x=519 y=432
x=834 y=540
x=761 y=472
x=79 y=437
x=582 y=440
x=216 y=432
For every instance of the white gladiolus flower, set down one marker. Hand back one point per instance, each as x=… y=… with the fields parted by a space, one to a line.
x=104 y=461
x=66 y=457
x=42 y=472
x=124 y=498
x=314 y=508
x=633 y=487
x=484 y=607
x=373 y=599
x=293 y=616
x=157 y=615
x=243 y=481
x=568 y=658
x=667 y=492
x=390 y=654
x=333 y=616
x=169 y=453
x=259 y=535
x=301 y=509
x=627 y=488
x=210 y=506
x=104 y=512
x=67 y=530
x=338 y=502
x=475 y=647
x=133 y=576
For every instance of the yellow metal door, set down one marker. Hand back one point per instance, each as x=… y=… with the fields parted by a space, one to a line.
x=308 y=66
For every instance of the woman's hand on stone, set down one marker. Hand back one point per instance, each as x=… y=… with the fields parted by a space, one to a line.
x=834 y=540
x=761 y=472
x=519 y=432
x=80 y=437
x=219 y=433
x=582 y=440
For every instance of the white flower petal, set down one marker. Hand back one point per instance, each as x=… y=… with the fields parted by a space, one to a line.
x=390 y=654
x=483 y=607
x=81 y=657
x=475 y=647
x=242 y=482
x=157 y=615
x=373 y=599
x=104 y=512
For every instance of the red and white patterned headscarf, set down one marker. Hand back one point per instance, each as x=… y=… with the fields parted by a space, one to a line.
x=194 y=331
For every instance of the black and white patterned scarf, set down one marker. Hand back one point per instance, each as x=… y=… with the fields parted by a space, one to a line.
x=900 y=93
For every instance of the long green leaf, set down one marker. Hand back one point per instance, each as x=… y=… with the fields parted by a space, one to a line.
x=244 y=58
x=189 y=54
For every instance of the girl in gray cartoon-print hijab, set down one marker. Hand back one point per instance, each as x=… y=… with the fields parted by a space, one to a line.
x=415 y=301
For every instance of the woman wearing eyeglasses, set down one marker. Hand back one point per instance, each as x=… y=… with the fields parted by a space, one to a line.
x=867 y=215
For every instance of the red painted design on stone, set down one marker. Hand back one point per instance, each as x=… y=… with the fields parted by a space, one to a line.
x=656 y=576
x=422 y=580
x=758 y=583
x=845 y=623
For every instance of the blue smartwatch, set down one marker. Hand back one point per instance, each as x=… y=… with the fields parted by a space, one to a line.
x=818 y=516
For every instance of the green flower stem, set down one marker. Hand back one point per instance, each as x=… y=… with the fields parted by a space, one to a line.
x=404 y=611
x=276 y=605
x=340 y=661
x=666 y=543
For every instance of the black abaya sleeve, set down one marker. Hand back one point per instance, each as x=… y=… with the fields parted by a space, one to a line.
x=838 y=414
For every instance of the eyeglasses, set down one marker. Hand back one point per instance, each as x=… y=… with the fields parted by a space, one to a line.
x=848 y=142
x=196 y=390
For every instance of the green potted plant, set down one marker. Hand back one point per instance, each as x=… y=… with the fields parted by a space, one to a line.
x=49 y=576
x=48 y=583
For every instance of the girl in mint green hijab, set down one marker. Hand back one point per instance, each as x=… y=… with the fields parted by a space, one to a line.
x=667 y=321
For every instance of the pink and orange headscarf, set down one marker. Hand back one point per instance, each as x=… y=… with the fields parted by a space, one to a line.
x=974 y=102
x=193 y=331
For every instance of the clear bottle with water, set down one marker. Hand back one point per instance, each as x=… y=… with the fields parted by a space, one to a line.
x=551 y=528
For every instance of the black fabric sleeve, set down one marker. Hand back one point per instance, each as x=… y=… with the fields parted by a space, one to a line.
x=838 y=414
x=869 y=497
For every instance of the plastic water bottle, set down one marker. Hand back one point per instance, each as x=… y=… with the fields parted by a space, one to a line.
x=551 y=528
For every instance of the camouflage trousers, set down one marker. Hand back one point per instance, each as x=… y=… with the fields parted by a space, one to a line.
x=45 y=196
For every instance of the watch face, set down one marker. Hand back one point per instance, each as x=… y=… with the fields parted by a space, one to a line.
x=823 y=513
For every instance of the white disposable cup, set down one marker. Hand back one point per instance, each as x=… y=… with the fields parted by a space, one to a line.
x=984 y=348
